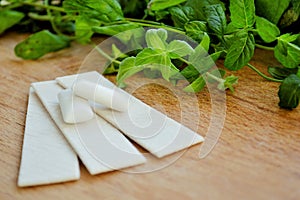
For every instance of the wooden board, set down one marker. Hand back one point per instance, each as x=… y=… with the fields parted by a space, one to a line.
x=257 y=156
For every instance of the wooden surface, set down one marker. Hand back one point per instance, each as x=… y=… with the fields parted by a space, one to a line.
x=257 y=156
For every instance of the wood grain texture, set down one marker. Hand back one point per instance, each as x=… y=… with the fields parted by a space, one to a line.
x=257 y=156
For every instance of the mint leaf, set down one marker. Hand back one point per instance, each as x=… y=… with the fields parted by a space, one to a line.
x=39 y=44
x=241 y=51
x=266 y=29
x=286 y=52
x=152 y=73
x=195 y=30
x=196 y=86
x=201 y=50
x=117 y=53
x=111 y=69
x=156 y=59
x=230 y=39
x=271 y=10
x=163 y=4
x=115 y=29
x=242 y=13
x=204 y=64
x=126 y=69
x=149 y=56
x=289 y=92
x=161 y=14
x=181 y=15
x=129 y=33
x=215 y=56
x=200 y=58
x=190 y=73
x=8 y=18
x=281 y=72
x=199 y=7
x=288 y=37
x=178 y=16
x=169 y=72
x=204 y=42
x=83 y=31
x=228 y=83
x=103 y=10
x=156 y=38
x=179 y=48
x=215 y=75
x=290 y=58
x=230 y=28
x=216 y=18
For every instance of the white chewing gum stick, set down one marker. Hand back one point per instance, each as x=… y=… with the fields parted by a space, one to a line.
x=74 y=109
x=47 y=157
x=99 y=145
x=148 y=127
x=100 y=94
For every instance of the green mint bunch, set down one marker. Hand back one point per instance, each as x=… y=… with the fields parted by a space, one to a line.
x=228 y=30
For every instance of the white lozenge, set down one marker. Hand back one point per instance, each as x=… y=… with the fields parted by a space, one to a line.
x=108 y=97
x=74 y=109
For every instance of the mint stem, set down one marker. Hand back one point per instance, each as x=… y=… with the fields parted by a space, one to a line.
x=159 y=26
x=219 y=80
x=184 y=60
x=39 y=17
x=143 y=21
x=36 y=16
x=43 y=6
x=263 y=75
x=215 y=77
x=52 y=18
x=106 y=55
x=11 y=6
x=146 y=23
x=264 y=47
